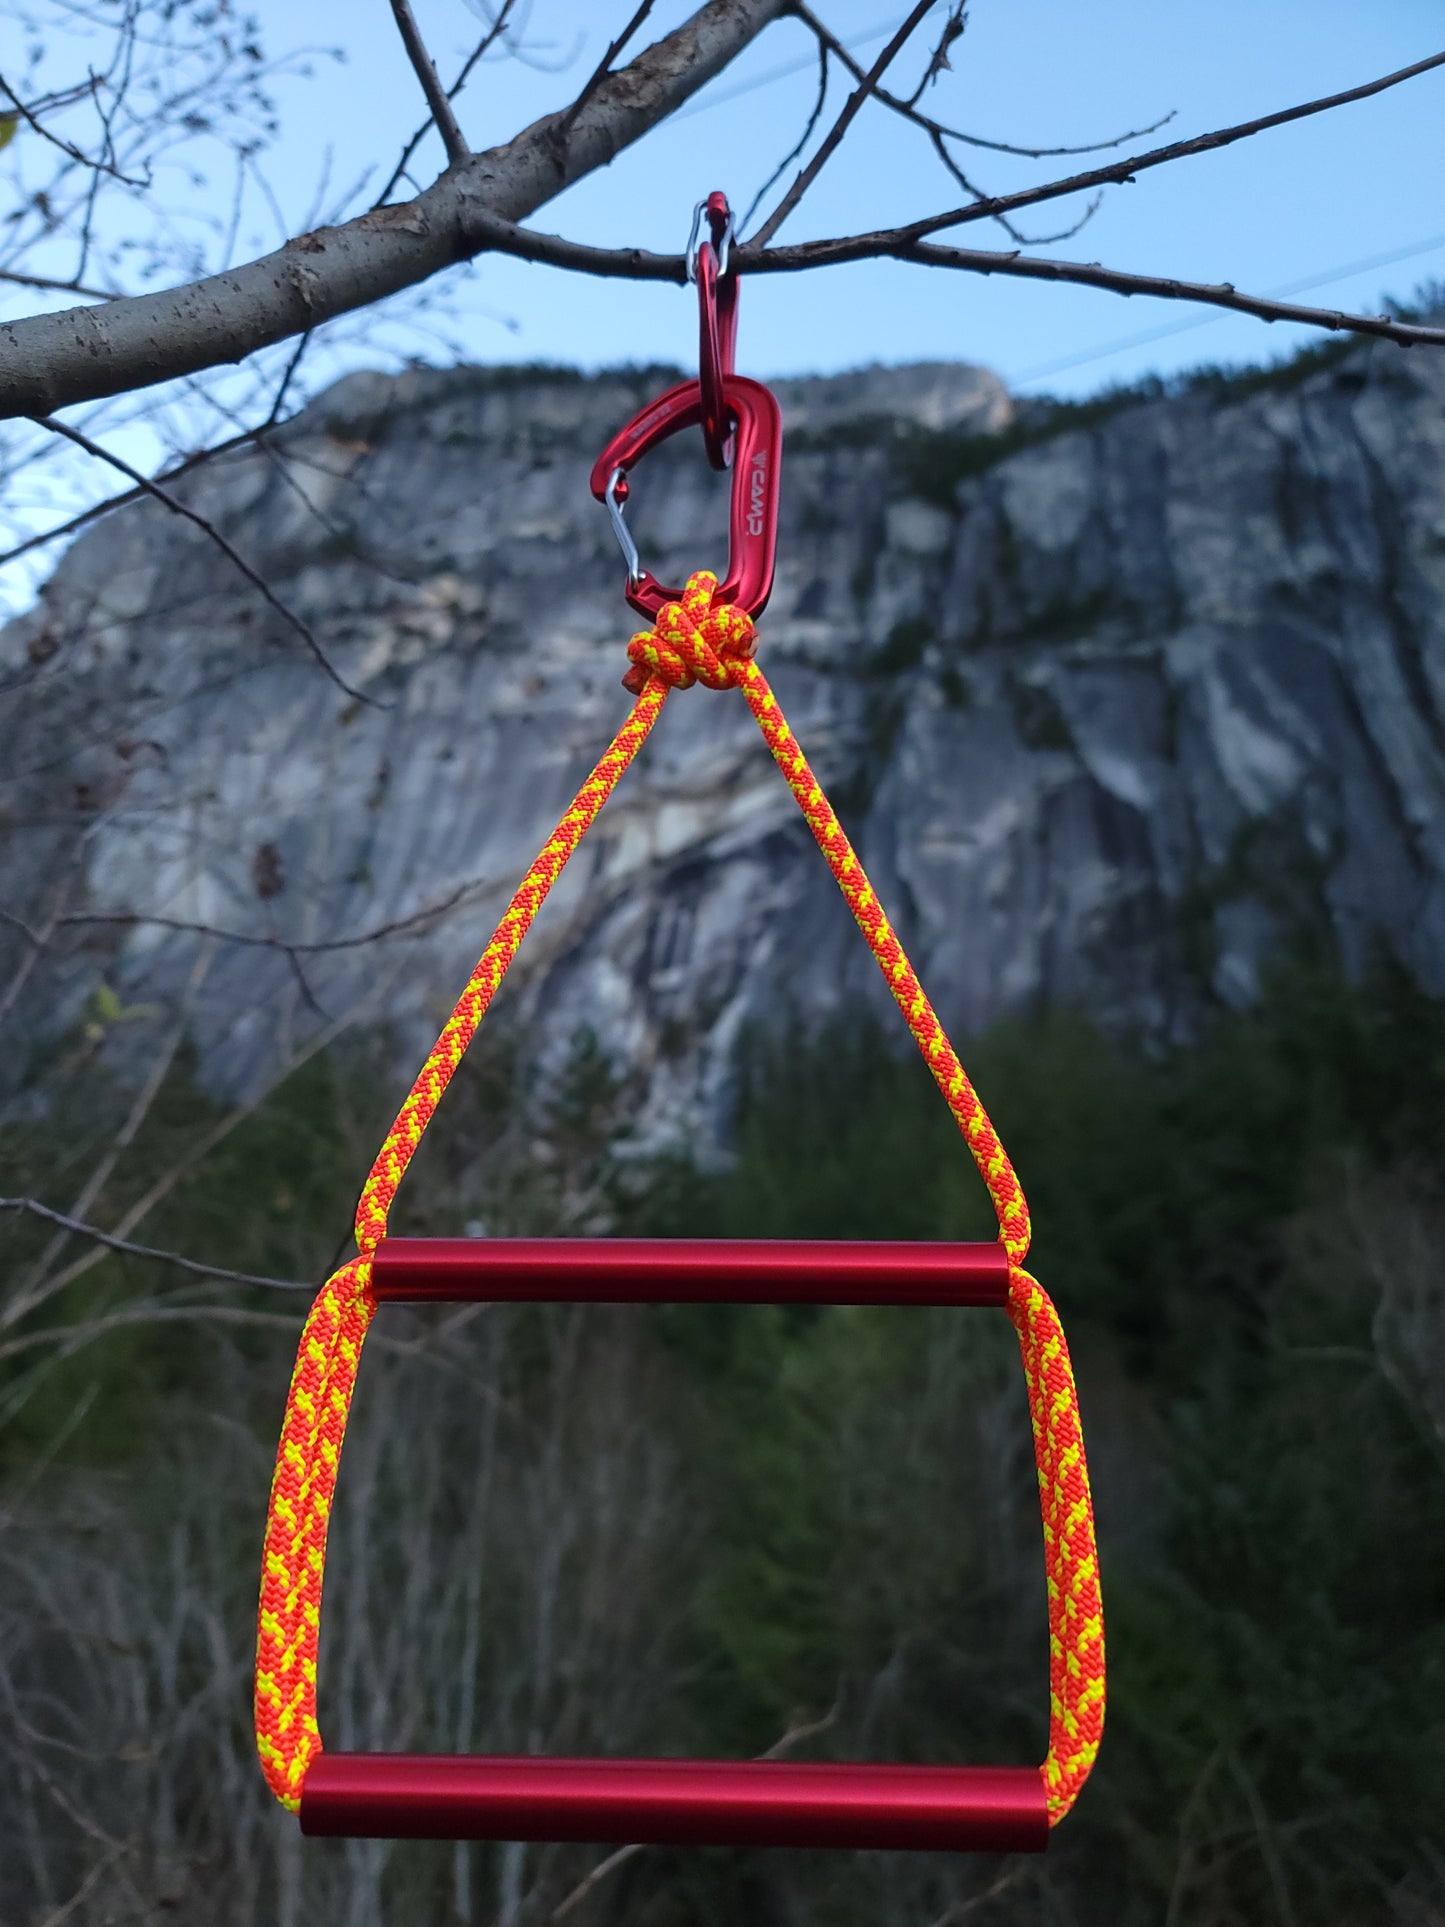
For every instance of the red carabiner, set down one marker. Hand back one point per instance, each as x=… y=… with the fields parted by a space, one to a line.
x=717 y=300
x=757 y=458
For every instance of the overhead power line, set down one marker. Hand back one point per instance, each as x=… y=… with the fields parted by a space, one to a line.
x=1321 y=280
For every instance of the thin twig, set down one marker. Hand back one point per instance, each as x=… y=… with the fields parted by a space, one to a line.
x=604 y=66
x=804 y=1730
x=483 y=46
x=38 y=939
x=784 y=1743
x=33 y=1288
x=436 y=96
x=1117 y=172
x=183 y=467
x=201 y=1147
x=119 y=500
x=961 y=1909
x=74 y=153
x=1090 y=274
x=953 y=29
x=940 y=148
x=793 y=152
x=80 y=1229
x=911 y=112
x=59 y=1915
x=69 y=1339
x=132 y=920
x=44 y=281
x=840 y=126
x=178 y=507
x=599 y=1873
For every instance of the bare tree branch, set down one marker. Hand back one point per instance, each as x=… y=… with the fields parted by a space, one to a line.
x=397 y=927
x=253 y=576
x=602 y=1871
x=785 y=1742
x=33 y=1287
x=637 y=264
x=1089 y=274
x=33 y=121
x=45 y=283
x=479 y=52
x=910 y=111
x=35 y=1209
x=38 y=939
x=1118 y=172
x=203 y=1145
x=961 y=1909
x=49 y=362
x=246 y=436
x=938 y=134
x=604 y=66
x=840 y=126
x=802 y=141
x=436 y=96
x=953 y=29
x=940 y=148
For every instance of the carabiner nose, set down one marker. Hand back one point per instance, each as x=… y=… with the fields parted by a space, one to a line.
x=753 y=519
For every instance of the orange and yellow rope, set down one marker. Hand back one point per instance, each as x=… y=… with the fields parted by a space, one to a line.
x=695 y=640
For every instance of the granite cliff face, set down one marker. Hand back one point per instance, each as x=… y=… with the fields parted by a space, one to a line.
x=1112 y=700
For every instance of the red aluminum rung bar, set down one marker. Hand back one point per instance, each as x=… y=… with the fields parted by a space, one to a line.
x=696 y=1271
x=754 y=1803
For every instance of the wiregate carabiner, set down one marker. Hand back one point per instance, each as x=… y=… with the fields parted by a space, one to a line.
x=757 y=458
x=717 y=298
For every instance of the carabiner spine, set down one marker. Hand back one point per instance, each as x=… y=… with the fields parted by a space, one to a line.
x=753 y=517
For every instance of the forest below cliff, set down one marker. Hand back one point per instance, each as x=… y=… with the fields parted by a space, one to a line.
x=712 y=1530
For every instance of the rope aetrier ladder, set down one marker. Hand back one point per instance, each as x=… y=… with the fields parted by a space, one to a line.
x=699 y=638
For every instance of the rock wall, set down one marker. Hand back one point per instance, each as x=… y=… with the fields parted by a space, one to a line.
x=1114 y=701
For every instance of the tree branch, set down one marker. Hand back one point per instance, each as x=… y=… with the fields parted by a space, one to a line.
x=436 y=96
x=1118 y=172
x=911 y=112
x=208 y=528
x=802 y=1730
x=33 y=121
x=44 y=282
x=637 y=264
x=601 y=70
x=1090 y=274
x=840 y=126
x=33 y=1208
x=247 y=436
x=52 y=361
x=479 y=52
x=134 y=920
x=796 y=149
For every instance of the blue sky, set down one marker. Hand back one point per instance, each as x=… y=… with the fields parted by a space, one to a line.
x=1295 y=205
x=1349 y=204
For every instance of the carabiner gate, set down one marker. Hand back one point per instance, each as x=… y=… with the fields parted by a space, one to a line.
x=753 y=523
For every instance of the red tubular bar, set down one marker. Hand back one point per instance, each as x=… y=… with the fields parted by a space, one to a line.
x=763 y=1803
x=696 y=1271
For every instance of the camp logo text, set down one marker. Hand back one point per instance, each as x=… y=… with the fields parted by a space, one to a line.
x=759 y=481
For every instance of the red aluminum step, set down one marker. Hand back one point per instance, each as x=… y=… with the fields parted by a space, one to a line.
x=697 y=1271
x=680 y=1802
x=763 y=1803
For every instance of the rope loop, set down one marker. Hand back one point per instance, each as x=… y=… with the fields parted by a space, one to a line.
x=697 y=639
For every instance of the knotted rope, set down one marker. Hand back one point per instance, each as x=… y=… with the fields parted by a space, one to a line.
x=695 y=640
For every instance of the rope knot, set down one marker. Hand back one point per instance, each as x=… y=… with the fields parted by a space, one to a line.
x=697 y=639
